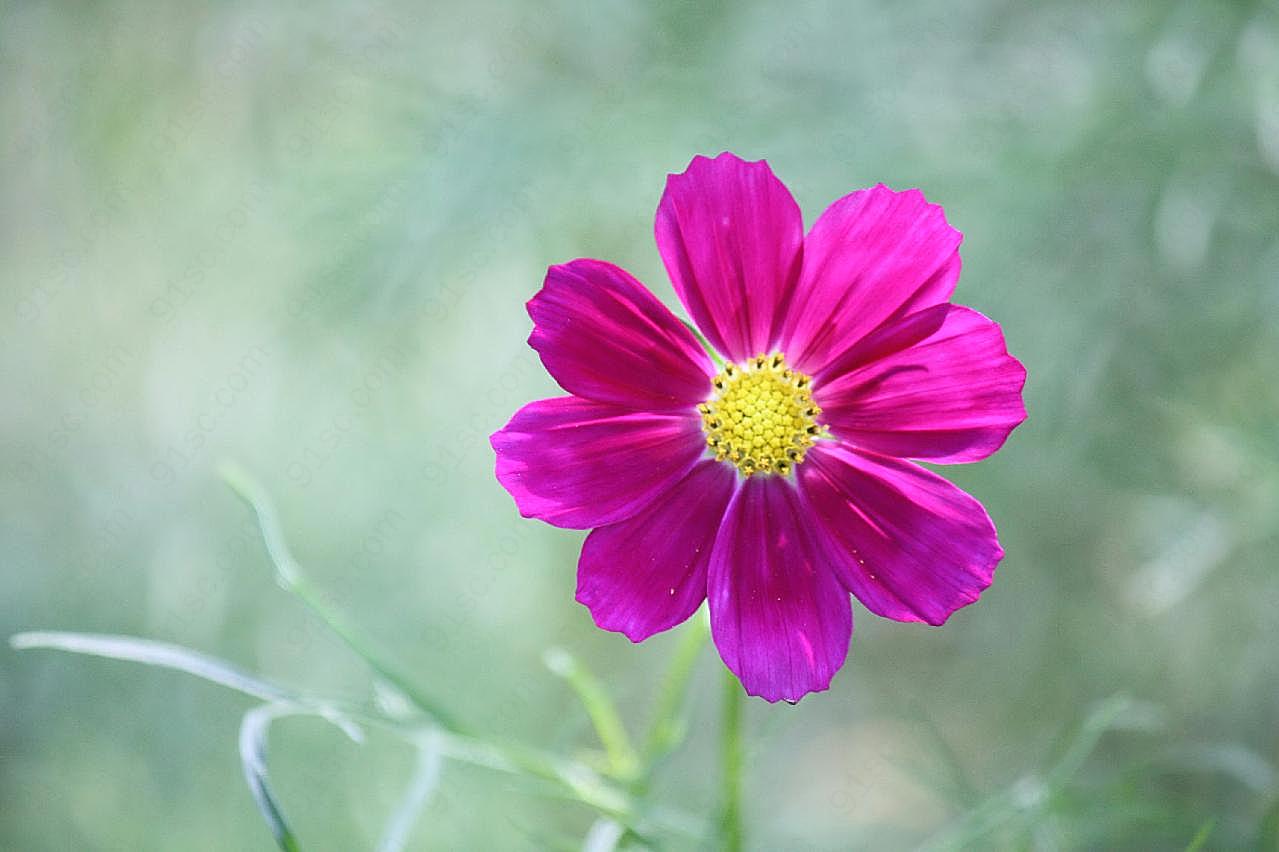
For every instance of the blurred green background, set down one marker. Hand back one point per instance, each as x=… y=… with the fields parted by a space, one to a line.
x=301 y=237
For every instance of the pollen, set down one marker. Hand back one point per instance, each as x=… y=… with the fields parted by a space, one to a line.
x=762 y=417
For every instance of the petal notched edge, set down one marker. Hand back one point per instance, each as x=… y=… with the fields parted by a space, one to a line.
x=873 y=255
x=779 y=616
x=579 y=464
x=937 y=385
x=603 y=336
x=648 y=573
x=908 y=544
x=731 y=237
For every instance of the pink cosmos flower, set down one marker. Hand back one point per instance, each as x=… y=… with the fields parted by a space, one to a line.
x=774 y=485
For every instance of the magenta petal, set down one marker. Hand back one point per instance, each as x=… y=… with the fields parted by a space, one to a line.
x=731 y=237
x=580 y=464
x=779 y=616
x=910 y=545
x=872 y=255
x=648 y=573
x=938 y=385
x=605 y=337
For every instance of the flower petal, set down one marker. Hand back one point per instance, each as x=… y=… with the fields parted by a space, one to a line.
x=731 y=236
x=872 y=255
x=937 y=385
x=910 y=545
x=603 y=336
x=779 y=616
x=580 y=464
x=648 y=573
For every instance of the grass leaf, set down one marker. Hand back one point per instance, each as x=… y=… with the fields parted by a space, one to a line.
x=152 y=653
x=668 y=725
x=1022 y=803
x=1201 y=836
x=253 y=733
x=622 y=758
x=165 y=655
x=604 y=835
x=290 y=576
x=426 y=777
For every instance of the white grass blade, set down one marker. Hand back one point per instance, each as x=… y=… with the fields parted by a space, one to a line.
x=253 y=733
x=152 y=653
x=426 y=777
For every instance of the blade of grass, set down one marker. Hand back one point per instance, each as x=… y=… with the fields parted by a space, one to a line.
x=253 y=733
x=1102 y=719
x=161 y=654
x=1025 y=800
x=574 y=777
x=668 y=726
x=1201 y=836
x=289 y=574
x=582 y=782
x=732 y=759
x=164 y=655
x=1268 y=827
x=956 y=785
x=577 y=782
x=622 y=758
x=426 y=777
x=603 y=836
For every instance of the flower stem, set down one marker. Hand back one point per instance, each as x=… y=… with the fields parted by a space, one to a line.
x=710 y=350
x=623 y=761
x=669 y=725
x=731 y=820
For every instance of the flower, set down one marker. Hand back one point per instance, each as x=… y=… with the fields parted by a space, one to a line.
x=777 y=484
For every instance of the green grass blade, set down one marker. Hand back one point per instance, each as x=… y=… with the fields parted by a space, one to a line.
x=1268 y=827
x=1201 y=836
x=603 y=836
x=622 y=758
x=425 y=780
x=1025 y=800
x=578 y=782
x=289 y=574
x=160 y=654
x=733 y=759
x=1103 y=718
x=668 y=726
x=253 y=733
x=180 y=658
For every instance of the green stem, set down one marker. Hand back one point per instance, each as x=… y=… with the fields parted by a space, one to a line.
x=668 y=728
x=572 y=777
x=731 y=742
x=289 y=576
x=710 y=350
x=623 y=762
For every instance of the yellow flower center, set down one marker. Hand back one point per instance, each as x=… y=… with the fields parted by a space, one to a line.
x=762 y=417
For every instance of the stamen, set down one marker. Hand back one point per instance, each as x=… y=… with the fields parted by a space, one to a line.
x=762 y=418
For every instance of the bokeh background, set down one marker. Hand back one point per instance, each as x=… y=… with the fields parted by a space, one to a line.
x=301 y=236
